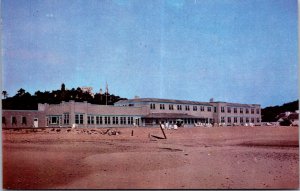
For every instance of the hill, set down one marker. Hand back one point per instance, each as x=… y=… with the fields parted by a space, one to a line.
x=25 y=101
x=269 y=113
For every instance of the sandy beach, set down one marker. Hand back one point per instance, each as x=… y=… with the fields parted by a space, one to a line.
x=190 y=158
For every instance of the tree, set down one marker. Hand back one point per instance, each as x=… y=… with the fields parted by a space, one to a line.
x=24 y=101
x=63 y=87
x=21 y=92
x=5 y=94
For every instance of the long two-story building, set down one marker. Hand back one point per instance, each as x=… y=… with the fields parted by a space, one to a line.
x=140 y=112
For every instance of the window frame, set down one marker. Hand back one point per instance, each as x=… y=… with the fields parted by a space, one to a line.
x=208 y=109
x=66 y=118
x=80 y=119
x=234 y=110
x=14 y=120
x=23 y=120
x=228 y=109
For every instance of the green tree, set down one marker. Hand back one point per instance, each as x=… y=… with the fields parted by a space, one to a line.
x=5 y=94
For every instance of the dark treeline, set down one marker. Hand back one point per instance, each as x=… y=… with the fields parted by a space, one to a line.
x=25 y=101
x=269 y=113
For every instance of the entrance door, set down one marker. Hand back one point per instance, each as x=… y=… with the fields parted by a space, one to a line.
x=35 y=122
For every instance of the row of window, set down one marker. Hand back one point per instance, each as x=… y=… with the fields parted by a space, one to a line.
x=57 y=119
x=179 y=107
x=241 y=110
x=105 y=120
x=239 y=120
x=208 y=108
x=14 y=121
x=99 y=120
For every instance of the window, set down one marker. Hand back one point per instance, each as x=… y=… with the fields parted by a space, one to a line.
x=252 y=110
x=117 y=120
x=258 y=120
x=247 y=120
x=222 y=109
x=241 y=110
x=130 y=120
x=215 y=109
x=79 y=118
x=209 y=109
x=47 y=121
x=235 y=119
x=194 y=108
x=162 y=106
x=252 y=120
x=247 y=110
x=202 y=108
x=171 y=107
x=222 y=119
x=54 y=120
x=152 y=106
x=14 y=120
x=106 y=120
x=24 y=121
x=187 y=108
x=90 y=119
x=3 y=120
x=228 y=109
x=179 y=107
x=121 y=121
x=66 y=118
x=98 y=120
x=235 y=110
x=241 y=120
x=257 y=111
x=113 y=120
x=229 y=119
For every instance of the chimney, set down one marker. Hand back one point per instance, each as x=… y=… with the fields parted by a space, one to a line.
x=211 y=100
x=136 y=97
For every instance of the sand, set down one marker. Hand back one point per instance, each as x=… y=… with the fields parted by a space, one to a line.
x=190 y=158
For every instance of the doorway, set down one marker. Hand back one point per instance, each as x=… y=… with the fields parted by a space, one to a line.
x=35 y=122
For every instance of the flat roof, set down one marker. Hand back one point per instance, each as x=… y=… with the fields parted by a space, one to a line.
x=174 y=101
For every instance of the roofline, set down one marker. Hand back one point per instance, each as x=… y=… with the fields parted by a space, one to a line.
x=174 y=100
x=163 y=100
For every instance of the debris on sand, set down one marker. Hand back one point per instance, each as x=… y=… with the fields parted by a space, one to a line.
x=106 y=132
x=114 y=132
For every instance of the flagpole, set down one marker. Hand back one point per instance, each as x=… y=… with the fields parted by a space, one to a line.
x=106 y=92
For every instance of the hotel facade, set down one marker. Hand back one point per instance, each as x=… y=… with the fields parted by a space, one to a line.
x=148 y=112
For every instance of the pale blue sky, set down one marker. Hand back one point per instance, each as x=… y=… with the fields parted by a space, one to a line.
x=232 y=50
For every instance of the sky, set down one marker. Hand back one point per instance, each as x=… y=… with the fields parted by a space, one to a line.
x=241 y=51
